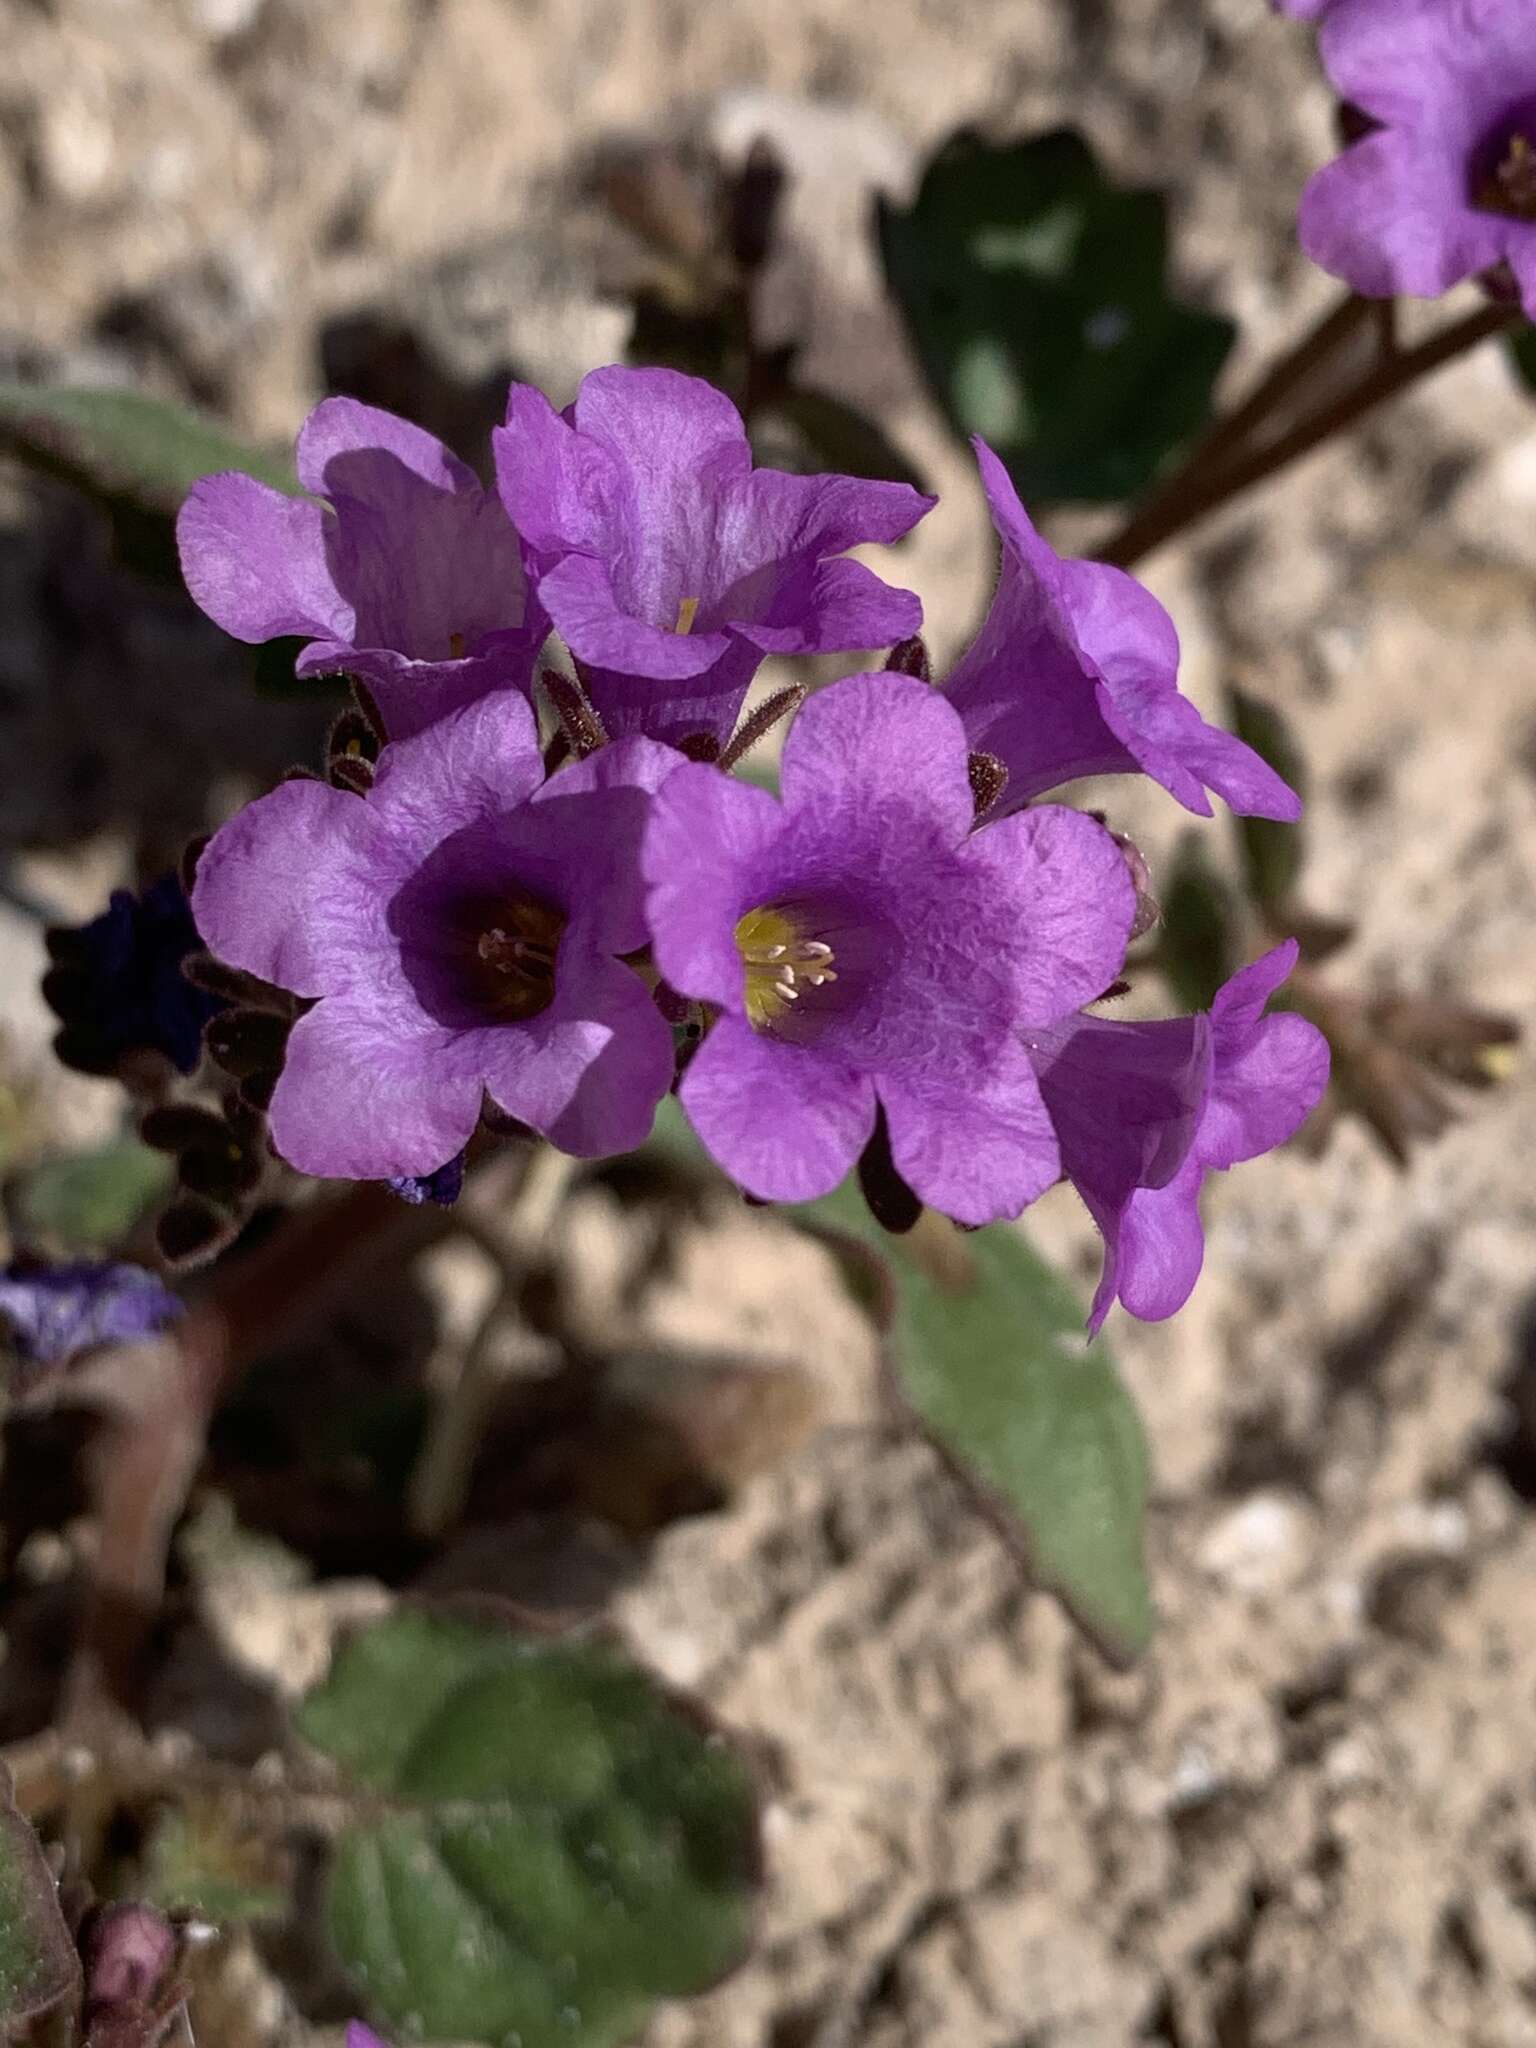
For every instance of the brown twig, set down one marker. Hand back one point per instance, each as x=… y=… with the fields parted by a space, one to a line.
x=1180 y=506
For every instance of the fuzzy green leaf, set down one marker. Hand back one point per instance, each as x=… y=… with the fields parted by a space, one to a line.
x=39 y=1968
x=548 y=1844
x=1036 y=295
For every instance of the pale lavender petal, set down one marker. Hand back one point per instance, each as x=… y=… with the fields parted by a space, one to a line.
x=579 y=596
x=589 y=1071
x=1172 y=743
x=554 y=483
x=295 y=889
x=832 y=607
x=978 y=1146
x=358 y=1101
x=1074 y=903
x=785 y=1123
x=707 y=839
x=255 y=560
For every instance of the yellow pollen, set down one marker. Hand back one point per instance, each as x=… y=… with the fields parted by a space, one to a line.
x=781 y=965
x=687 y=612
x=456 y=646
x=1511 y=188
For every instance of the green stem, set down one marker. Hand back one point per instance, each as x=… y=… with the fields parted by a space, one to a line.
x=1171 y=511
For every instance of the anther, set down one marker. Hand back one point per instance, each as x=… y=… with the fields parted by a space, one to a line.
x=687 y=612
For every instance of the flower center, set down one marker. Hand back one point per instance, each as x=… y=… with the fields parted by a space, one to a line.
x=517 y=956
x=781 y=963
x=1510 y=187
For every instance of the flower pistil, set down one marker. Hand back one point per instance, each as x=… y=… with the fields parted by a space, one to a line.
x=781 y=963
x=519 y=953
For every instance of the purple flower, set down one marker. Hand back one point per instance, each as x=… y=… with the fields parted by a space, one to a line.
x=359 y=2036
x=1075 y=672
x=867 y=949
x=55 y=1312
x=1445 y=187
x=1144 y=1111
x=412 y=579
x=459 y=927
x=117 y=987
x=670 y=565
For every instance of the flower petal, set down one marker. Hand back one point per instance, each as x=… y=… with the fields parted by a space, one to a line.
x=295 y=889
x=785 y=1123
x=475 y=763
x=255 y=560
x=1074 y=906
x=977 y=1147
x=412 y=695
x=707 y=838
x=589 y=1071
x=874 y=744
x=359 y=1100
x=1392 y=214
x=829 y=607
x=340 y=438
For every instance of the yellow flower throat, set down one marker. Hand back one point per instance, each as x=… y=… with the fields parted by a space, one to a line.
x=781 y=965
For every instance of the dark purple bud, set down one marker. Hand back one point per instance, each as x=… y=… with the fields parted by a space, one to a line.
x=351 y=773
x=178 y=1125
x=191 y=1231
x=583 y=729
x=118 y=988
x=186 y=867
x=352 y=737
x=989 y=778
x=442 y=1187
x=891 y=1201
x=910 y=658
x=54 y=1313
x=248 y=1042
x=754 y=205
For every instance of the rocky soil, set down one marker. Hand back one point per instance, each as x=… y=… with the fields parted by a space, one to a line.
x=1309 y=1821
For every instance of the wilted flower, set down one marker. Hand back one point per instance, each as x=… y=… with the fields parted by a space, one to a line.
x=1144 y=1111
x=410 y=576
x=670 y=565
x=1075 y=672
x=117 y=987
x=459 y=926
x=868 y=950
x=1444 y=188
x=53 y=1313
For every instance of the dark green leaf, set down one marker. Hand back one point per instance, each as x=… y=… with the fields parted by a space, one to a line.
x=989 y=1355
x=1035 y=293
x=1272 y=852
x=1198 y=940
x=548 y=1843
x=135 y=455
x=1522 y=353
x=39 y=1968
x=837 y=436
x=89 y=1201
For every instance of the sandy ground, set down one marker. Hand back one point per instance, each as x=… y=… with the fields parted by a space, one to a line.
x=1310 y=1818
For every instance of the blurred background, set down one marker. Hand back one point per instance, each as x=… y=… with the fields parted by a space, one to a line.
x=1310 y=1816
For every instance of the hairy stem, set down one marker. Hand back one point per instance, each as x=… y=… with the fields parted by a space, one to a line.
x=1393 y=371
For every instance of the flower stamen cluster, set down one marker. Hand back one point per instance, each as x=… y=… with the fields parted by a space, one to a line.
x=902 y=952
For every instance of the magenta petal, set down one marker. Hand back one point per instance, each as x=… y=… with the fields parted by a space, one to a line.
x=1392 y=215
x=1076 y=905
x=978 y=1147
x=579 y=596
x=844 y=606
x=786 y=1124
x=1161 y=1248
x=412 y=695
x=469 y=765
x=589 y=1072
x=255 y=560
x=585 y=826
x=1172 y=743
x=553 y=482
x=295 y=889
x=877 y=741
x=707 y=838
x=357 y=1101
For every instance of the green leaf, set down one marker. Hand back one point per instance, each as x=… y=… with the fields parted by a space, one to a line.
x=1197 y=947
x=1273 y=852
x=549 y=1843
x=839 y=437
x=204 y=1859
x=39 y=1968
x=1522 y=353
x=988 y=1353
x=135 y=455
x=1035 y=294
x=89 y=1201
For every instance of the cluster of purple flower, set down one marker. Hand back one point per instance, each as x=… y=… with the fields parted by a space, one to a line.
x=904 y=935
x=1442 y=184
